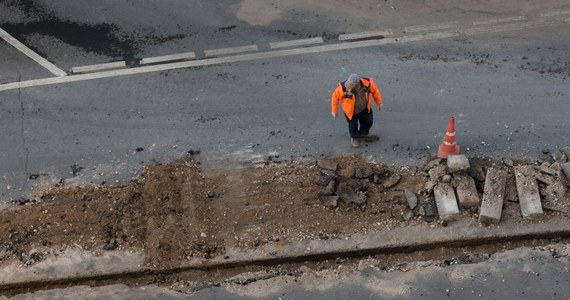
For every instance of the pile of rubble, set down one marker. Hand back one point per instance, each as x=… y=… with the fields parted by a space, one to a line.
x=456 y=185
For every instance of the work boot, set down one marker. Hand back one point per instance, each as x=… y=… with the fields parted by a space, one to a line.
x=369 y=137
x=354 y=143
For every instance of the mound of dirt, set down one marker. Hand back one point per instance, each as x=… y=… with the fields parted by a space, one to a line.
x=174 y=212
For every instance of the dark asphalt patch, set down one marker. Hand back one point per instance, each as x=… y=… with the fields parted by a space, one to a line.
x=103 y=38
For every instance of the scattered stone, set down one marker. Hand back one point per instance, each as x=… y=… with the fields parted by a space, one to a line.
x=392 y=181
x=429 y=211
x=432 y=164
x=323 y=179
x=377 y=178
x=446 y=178
x=345 y=192
x=429 y=186
x=329 y=201
x=412 y=199
x=559 y=157
x=437 y=172
x=329 y=190
x=359 y=198
x=111 y=245
x=446 y=202
x=566 y=169
x=408 y=216
x=211 y=194
x=363 y=172
x=545 y=151
x=566 y=151
x=457 y=163
x=493 y=197
x=466 y=191
x=547 y=170
x=327 y=165
x=544 y=179
x=527 y=188
x=508 y=162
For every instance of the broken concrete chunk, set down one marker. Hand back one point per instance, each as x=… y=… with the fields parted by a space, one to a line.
x=466 y=191
x=566 y=168
x=446 y=178
x=363 y=172
x=412 y=199
x=392 y=181
x=329 y=201
x=327 y=165
x=437 y=172
x=408 y=216
x=508 y=162
x=446 y=202
x=323 y=179
x=432 y=164
x=527 y=189
x=359 y=198
x=457 y=163
x=329 y=190
x=544 y=179
x=547 y=170
x=429 y=211
x=429 y=186
x=566 y=151
x=493 y=196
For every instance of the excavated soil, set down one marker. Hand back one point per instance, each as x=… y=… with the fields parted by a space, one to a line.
x=174 y=212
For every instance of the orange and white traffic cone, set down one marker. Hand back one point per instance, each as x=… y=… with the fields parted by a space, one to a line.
x=449 y=146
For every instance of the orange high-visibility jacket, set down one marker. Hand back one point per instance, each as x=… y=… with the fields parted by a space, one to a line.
x=346 y=97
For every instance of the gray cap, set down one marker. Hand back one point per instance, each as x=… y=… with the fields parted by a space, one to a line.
x=352 y=81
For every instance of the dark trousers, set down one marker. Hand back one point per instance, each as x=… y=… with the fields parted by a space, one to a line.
x=364 y=119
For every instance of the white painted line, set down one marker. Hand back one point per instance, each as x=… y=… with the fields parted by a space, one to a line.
x=364 y=35
x=556 y=13
x=496 y=21
x=31 y=54
x=227 y=59
x=170 y=57
x=100 y=67
x=234 y=50
x=421 y=28
x=516 y=26
x=295 y=43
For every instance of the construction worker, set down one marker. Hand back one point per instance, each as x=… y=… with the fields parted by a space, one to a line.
x=354 y=97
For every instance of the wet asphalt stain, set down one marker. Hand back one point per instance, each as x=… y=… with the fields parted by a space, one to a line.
x=103 y=38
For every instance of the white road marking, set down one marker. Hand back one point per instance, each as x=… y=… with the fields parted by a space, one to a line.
x=515 y=26
x=556 y=13
x=420 y=28
x=164 y=58
x=280 y=53
x=224 y=60
x=99 y=67
x=364 y=35
x=495 y=21
x=294 y=43
x=233 y=50
x=31 y=54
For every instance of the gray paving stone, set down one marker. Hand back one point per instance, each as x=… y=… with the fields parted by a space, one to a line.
x=493 y=196
x=457 y=163
x=527 y=189
x=466 y=191
x=446 y=202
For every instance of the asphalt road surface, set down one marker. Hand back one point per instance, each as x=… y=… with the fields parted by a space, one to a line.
x=256 y=82
x=502 y=69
